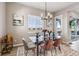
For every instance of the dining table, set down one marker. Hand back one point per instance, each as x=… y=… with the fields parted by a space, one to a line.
x=37 y=40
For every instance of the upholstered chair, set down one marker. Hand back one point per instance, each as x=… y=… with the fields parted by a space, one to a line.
x=47 y=46
x=57 y=45
x=28 y=46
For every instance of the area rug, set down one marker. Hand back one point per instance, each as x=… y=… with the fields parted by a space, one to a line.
x=66 y=51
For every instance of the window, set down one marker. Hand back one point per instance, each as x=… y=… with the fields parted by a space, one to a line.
x=58 y=27
x=35 y=22
x=58 y=23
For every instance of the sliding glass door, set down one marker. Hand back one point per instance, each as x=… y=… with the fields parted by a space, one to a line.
x=74 y=27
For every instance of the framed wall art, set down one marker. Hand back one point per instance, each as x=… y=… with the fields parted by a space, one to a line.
x=18 y=20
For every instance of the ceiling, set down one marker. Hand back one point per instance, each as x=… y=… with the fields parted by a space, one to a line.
x=51 y=6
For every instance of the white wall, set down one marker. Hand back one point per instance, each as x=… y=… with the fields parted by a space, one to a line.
x=66 y=15
x=73 y=7
x=64 y=25
x=19 y=31
x=2 y=21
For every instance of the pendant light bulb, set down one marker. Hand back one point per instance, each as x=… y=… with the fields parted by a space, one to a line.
x=48 y=14
x=41 y=14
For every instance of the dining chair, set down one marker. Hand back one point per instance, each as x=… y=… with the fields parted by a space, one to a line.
x=28 y=46
x=47 y=46
x=57 y=45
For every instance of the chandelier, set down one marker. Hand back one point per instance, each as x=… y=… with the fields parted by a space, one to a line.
x=46 y=15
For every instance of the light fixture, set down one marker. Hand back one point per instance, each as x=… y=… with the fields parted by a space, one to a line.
x=46 y=15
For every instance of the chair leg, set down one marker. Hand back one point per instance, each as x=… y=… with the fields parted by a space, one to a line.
x=51 y=51
x=55 y=50
x=33 y=50
x=26 y=52
x=59 y=48
x=40 y=51
x=44 y=52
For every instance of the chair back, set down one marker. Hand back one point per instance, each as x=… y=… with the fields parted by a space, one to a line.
x=49 y=44
x=9 y=38
x=25 y=45
x=57 y=42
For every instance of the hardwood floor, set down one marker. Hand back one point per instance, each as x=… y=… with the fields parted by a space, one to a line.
x=12 y=53
x=75 y=45
x=66 y=51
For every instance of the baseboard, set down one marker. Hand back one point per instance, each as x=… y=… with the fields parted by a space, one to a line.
x=16 y=45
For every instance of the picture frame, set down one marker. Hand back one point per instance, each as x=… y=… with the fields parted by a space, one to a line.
x=18 y=20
